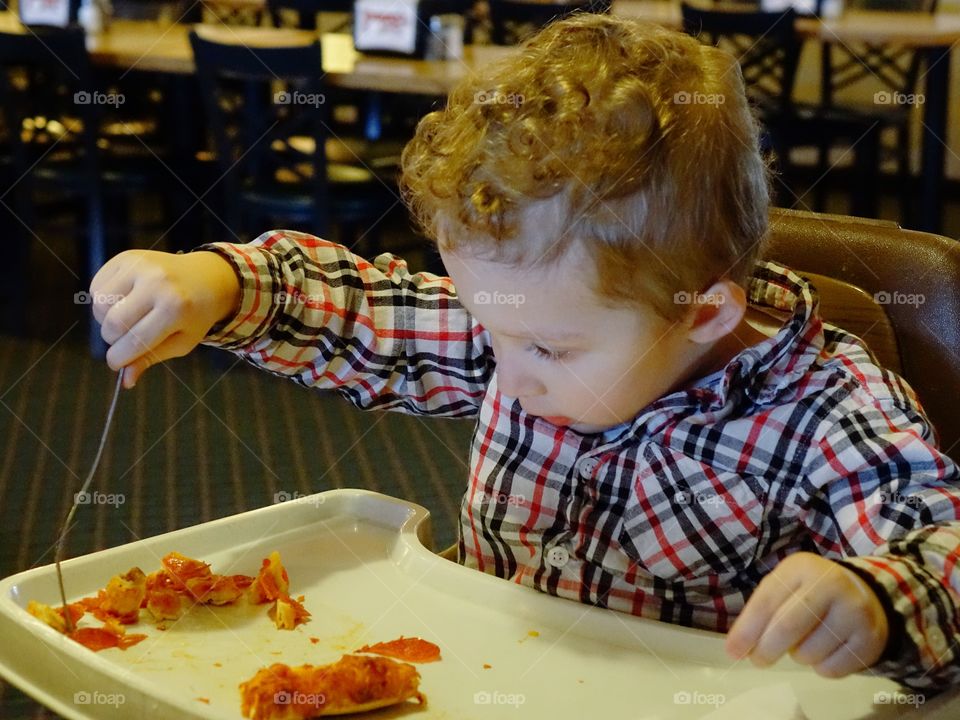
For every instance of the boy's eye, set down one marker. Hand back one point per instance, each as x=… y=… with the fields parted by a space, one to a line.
x=542 y=352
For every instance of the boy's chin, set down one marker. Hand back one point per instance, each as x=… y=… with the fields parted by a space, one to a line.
x=591 y=428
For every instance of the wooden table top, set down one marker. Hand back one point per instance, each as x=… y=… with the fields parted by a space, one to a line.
x=159 y=47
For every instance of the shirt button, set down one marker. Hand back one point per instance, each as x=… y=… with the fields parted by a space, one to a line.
x=588 y=467
x=557 y=556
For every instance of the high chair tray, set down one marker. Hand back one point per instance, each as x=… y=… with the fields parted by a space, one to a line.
x=361 y=561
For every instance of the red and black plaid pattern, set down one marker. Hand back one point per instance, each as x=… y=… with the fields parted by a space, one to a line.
x=800 y=443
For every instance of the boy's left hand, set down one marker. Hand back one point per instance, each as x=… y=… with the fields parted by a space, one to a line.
x=820 y=612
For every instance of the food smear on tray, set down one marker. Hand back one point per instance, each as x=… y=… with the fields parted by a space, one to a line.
x=353 y=684
x=412 y=650
x=168 y=593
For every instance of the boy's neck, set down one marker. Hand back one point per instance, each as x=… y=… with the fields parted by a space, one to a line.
x=753 y=329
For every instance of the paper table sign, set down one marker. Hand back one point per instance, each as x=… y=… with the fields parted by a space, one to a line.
x=385 y=25
x=56 y=13
x=825 y=9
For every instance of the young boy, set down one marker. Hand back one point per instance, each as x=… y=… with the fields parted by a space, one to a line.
x=599 y=202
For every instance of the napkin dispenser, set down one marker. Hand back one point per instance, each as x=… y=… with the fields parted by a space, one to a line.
x=50 y=13
x=399 y=28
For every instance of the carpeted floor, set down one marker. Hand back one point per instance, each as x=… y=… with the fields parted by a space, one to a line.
x=197 y=439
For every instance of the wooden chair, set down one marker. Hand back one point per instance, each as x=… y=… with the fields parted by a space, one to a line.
x=768 y=49
x=266 y=110
x=893 y=71
x=897 y=289
x=59 y=155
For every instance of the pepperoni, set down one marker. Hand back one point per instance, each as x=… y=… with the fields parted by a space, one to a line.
x=409 y=649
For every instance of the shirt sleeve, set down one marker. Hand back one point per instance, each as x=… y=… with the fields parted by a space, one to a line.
x=878 y=497
x=382 y=337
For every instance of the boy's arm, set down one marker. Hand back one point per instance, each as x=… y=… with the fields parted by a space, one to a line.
x=878 y=494
x=315 y=312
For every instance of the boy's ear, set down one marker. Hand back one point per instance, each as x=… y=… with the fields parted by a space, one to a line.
x=716 y=312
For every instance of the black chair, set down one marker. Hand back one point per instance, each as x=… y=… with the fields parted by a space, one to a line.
x=894 y=72
x=513 y=21
x=768 y=49
x=266 y=110
x=54 y=113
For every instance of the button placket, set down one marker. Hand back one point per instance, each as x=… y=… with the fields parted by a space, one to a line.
x=588 y=467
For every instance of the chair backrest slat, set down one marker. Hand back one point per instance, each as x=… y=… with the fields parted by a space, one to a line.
x=765 y=43
x=261 y=104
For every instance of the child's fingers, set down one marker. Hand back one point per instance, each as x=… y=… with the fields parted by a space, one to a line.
x=797 y=617
x=146 y=336
x=106 y=291
x=844 y=660
x=820 y=644
x=756 y=615
x=174 y=346
x=121 y=317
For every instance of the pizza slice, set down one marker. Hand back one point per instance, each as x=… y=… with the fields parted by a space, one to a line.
x=353 y=684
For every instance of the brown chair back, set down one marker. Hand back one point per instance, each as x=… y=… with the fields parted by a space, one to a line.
x=900 y=292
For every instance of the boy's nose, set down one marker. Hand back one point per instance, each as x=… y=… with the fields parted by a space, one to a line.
x=514 y=382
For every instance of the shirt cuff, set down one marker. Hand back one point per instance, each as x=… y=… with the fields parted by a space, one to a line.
x=257 y=271
x=922 y=649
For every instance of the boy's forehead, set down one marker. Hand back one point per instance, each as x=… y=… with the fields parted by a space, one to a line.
x=542 y=229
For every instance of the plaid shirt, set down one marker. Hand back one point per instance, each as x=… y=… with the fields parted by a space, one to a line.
x=800 y=443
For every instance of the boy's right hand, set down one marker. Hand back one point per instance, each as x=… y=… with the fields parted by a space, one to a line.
x=153 y=306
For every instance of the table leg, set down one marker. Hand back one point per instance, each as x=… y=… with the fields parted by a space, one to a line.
x=934 y=139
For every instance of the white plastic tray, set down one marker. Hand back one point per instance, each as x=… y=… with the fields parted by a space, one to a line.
x=367 y=577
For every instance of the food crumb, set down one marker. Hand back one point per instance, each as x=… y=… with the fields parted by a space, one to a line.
x=218 y=664
x=314 y=640
x=276 y=652
x=533 y=633
x=204 y=700
x=487 y=666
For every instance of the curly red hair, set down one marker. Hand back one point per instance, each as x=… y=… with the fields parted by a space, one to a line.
x=644 y=134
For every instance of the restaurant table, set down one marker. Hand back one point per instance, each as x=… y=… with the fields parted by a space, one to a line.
x=933 y=35
x=164 y=47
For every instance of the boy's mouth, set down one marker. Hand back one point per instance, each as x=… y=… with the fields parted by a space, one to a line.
x=558 y=420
